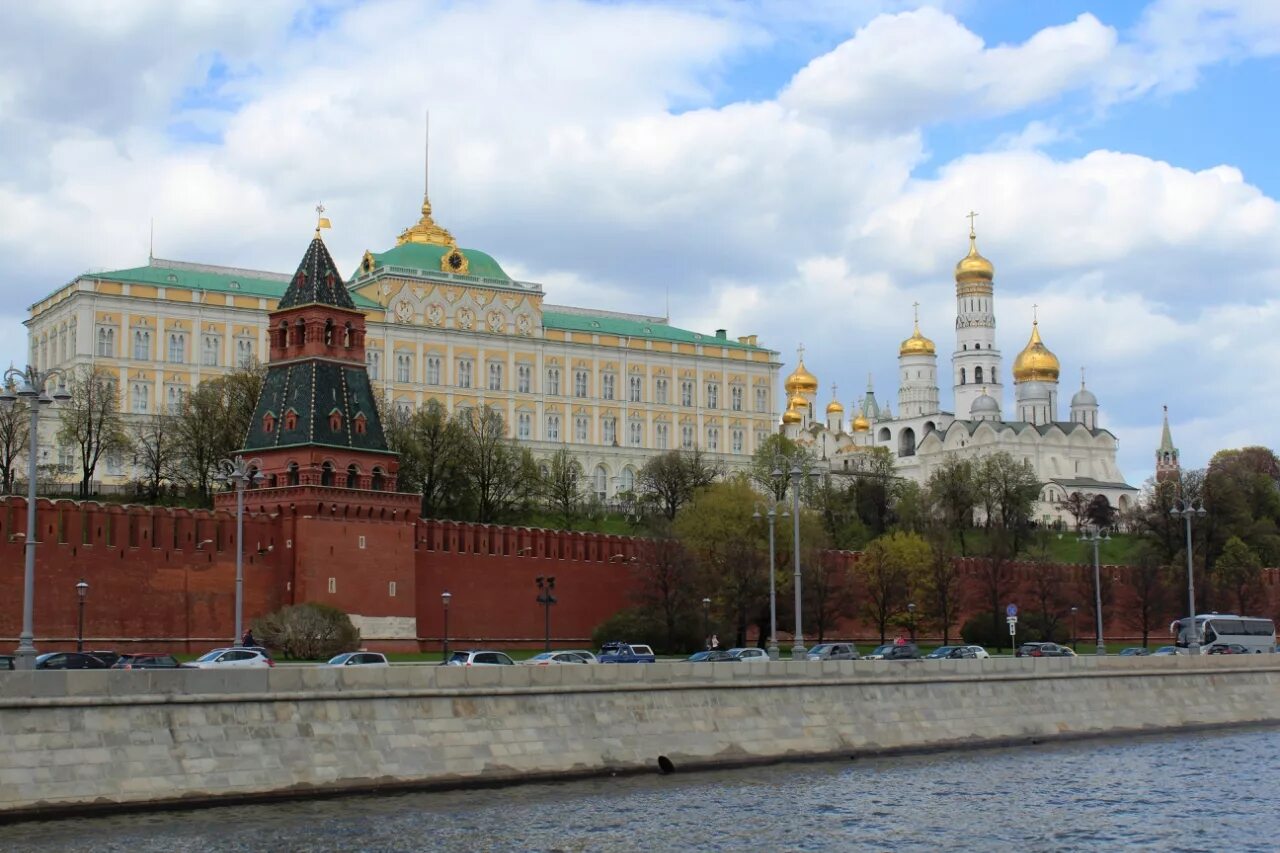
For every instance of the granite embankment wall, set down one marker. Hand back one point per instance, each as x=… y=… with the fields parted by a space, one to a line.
x=82 y=740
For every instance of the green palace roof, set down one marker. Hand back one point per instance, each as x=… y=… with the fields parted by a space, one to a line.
x=427 y=257
x=161 y=273
x=610 y=324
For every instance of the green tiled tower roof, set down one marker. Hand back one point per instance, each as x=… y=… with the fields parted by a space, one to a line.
x=313 y=389
x=317 y=281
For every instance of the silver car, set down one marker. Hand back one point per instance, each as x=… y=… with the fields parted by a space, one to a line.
x=553 y=659
x=479 y=657
x=237 y=658
x=358 y=659
x=749 y=655
x=833 y=651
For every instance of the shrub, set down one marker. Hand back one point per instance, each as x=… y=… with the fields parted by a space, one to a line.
x=307 y=631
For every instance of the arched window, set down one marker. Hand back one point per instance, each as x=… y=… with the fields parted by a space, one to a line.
x=282 y=337
x=962 y=376
x=254 y=477
x=353 y=476
x=328 y=332
x=376 y=485
x=602 y=482
x=907 y=442
x=293 y=473
x=299 y=333
x=977 y=376
x=628 y=483
x=348 y=338
x=326 y=474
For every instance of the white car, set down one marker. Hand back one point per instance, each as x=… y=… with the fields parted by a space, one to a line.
x=587 y=657
x=750 y=655
x=357 y=659
x=979 y=651
x=553 y=658
x=238 y=658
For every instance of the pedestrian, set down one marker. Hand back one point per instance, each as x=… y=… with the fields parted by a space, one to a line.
x=248 y=639
x=715 y=642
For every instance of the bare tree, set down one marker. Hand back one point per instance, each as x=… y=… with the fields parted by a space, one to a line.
x=939 y=582
x=1152 y=593
x=492 y=466
x=666 y=585
x=563 y=487
x=429 y=443
x=15 y=433
x=829 y=591
x=154 y=446
x=672 y=478
x=995 y=579
x=953 y=493
x=1077 y=506
x=91 y=421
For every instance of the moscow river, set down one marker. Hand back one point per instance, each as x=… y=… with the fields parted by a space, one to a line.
x=1204 y=791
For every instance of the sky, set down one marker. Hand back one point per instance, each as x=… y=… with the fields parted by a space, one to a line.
x=800 y=171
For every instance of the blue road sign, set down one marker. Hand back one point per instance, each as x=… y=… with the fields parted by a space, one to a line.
x=1011 y=610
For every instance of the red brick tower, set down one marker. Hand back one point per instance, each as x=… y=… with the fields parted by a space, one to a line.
x=1168 y=470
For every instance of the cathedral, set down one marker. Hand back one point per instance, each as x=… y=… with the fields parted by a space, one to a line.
x=1069 y=456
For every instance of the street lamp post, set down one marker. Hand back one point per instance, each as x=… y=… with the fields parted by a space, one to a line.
x=1189 y=510
x=239 y=474
x=706 y=623
x=34 y=391
x=911 y=614
x=445 y=598
x=1074 y=635
x=546 y=585
x=797 y=475
x=1097 y=536
x=82 y=590
x=772 y=516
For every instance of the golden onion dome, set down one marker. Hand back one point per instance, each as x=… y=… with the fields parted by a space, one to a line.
x=834 y=407
x=917 y=344
x=1035 y=363
x=860 y=423
x=791 y=416
x=801 y=381
x=973 y=267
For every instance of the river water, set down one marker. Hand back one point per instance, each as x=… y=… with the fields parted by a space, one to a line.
x=1206 y=791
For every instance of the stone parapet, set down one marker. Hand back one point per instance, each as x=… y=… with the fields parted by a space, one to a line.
x=82 y=740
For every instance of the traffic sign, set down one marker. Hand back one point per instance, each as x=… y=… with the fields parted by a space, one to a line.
x=1011 y=610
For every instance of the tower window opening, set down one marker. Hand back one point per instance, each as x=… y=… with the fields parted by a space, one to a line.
x=962 y=376
x=977 y=375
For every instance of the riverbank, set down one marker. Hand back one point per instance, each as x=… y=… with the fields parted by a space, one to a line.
x=100 y=740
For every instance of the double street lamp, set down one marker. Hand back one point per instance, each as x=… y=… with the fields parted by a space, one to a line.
x=82 y=591
x=240 y=475
x=31 y=386
x=445 y=598
x=797 y=476
x=706 y=622
x=1189 y=510
x=772 y=516
x=546 y=585
x=1074 y=635
x=1097 y=536
x=911 y=615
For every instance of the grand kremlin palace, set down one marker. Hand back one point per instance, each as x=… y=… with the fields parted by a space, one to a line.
x=444 y=322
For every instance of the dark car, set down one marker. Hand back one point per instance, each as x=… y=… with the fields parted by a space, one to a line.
x=712 y=656
x=107 y=657
x=959 y=653
x=1043 y=650
x=625 y=653
x=1226 y=649
x=1134 y=652
x=146 y=660
x=895 y=651
x=68 y=660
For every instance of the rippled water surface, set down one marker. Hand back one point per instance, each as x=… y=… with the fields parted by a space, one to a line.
x=1209 y=791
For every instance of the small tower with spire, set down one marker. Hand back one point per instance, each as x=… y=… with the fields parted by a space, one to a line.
x=975 y=362
x=1084 y=406
x=1168 y=469
x=918 y=364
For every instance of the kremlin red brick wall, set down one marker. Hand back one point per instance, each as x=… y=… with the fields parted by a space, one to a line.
x=152 y=586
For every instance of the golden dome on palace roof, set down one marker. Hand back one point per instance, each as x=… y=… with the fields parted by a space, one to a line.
x=801 y=380
x=973 y=267
x=1035 y=363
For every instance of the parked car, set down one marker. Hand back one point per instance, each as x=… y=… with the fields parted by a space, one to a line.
x=711 y=656
x=961 y=653
x=7 y=662
x=895 y=651
x=358 y=659
x=233 y=658
x=979 y=651
x=68 y=660
x=107 y=657
x=1044 y=650
x=588 y=657
x=625 y=653
x=833 y=651
x=1134 y=652
x=1226 y=649
x=479 y=657
x=942 y=652
x=553 y=658
x=749 y=654
x=1167 y=650
x=146 y=660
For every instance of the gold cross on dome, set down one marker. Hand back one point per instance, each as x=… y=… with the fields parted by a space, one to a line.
x=800 y=352
x=320 y=209
x=834 y=395
x=971 y=215
x=1035 y=313
x=915 y=306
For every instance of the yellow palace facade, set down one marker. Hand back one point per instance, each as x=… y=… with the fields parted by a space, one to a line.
x=444 y=323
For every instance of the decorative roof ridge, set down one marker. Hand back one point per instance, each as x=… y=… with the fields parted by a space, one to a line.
x=162 y=263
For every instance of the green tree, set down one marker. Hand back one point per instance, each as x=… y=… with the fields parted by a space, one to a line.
x=772 y=462
x=875 y=486
x=494 y=469
x=91 y=421
x=886 y=570
x=211 y=425
x=429 y=443
x=1240 y=576
x=718 y=529
x=666 y=588
x=952 y=491
x=1007 y=490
